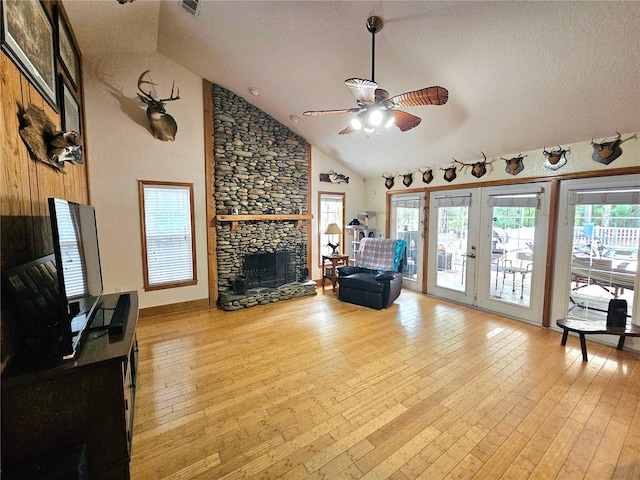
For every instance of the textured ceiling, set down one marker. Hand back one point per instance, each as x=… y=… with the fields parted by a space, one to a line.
x=521 y=75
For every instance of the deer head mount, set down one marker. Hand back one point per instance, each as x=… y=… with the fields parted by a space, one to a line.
x=389 y=180
x=478 y=169
x=607 y=152
x=407 y=179
x=162 y=125
x=555 y=159
x=449 y=173
x=514 y=165
x=427 y=175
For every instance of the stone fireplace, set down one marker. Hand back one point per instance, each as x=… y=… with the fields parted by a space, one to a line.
x=261 y=186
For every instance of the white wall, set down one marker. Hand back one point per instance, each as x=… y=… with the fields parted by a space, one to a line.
x=121 y=150
x=578 y=160
x=354 y=201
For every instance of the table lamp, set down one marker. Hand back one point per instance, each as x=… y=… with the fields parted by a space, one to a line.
x=333 y=229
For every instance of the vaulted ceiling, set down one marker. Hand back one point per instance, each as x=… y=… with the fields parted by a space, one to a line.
x=521 y=75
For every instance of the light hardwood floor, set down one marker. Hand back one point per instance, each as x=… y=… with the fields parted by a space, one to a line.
x=317 y=388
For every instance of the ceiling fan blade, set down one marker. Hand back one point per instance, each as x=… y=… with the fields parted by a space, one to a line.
x=425 y=96
x=363 y=90
x=349 y=129
x=314 y=113
x=405 y=121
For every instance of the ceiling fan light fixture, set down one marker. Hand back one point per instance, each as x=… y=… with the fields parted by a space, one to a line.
x=375 y=107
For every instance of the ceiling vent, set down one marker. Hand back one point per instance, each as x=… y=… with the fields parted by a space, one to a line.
x=191 y=6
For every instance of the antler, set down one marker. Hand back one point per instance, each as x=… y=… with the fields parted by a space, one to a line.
x=473 y=164
x=149 y=95
x=177 y=97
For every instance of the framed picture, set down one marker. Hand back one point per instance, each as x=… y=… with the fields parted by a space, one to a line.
x=67 y=52
x=71 y=118
x=27 y=38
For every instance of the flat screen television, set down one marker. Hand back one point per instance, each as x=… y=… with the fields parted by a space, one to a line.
x=75 y=243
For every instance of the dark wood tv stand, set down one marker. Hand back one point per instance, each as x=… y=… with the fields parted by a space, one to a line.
x=86 y=400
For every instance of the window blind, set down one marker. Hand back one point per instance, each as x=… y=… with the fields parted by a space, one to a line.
x=605 y=197
x=525 y=201
x=168 y=233
x=452 y=201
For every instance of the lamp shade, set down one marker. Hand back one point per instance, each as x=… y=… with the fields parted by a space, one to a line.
x=332 y=229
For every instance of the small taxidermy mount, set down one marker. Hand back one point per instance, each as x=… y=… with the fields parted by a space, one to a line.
x=427 y=175
x=407 y=179
x=449 y=173
x=333 y=177
x=163 y=126
x=514 y=165
x=555 y=159
x=478 y=169
x=607 y=152
x=389 y=180
x=45 y=143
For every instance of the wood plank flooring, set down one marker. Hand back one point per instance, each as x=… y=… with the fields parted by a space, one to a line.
x=316 y=388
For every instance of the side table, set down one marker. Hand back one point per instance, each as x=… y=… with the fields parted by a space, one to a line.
x=329 y=267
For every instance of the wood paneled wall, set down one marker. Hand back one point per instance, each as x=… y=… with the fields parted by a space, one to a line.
x=26 y=184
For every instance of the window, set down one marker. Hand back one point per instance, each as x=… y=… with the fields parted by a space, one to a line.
x=604 y=259
x=331 y=207
x=168 y=240
x=405 y=225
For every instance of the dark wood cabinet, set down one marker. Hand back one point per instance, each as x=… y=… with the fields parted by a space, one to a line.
x=86 y=400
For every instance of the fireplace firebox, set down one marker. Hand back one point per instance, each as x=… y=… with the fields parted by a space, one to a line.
x=269 y=269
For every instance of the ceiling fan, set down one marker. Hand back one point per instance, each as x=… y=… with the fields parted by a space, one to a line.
x=375 y=108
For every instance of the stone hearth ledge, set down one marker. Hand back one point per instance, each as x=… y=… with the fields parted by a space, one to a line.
x=264 y=295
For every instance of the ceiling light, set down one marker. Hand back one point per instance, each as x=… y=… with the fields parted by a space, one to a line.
x=254 y=91
x=375 y=117
x=356 y=122
x=390 y=121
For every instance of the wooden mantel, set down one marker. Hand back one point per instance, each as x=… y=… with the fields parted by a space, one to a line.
x=234 y=219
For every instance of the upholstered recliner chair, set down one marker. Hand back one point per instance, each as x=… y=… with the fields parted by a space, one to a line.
x=376 y=279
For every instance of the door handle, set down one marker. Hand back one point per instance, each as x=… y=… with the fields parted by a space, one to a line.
x=471 y=254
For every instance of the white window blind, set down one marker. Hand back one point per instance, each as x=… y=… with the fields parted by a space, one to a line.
x=452 y=201
x=406 y=200
x=525 y=201
x=331 y=211
x=605 y=197
x=168 y=234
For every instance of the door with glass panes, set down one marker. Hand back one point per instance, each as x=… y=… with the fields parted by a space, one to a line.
x=407 y=223
x=487 y=247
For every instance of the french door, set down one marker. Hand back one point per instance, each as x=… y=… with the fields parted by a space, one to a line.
x=407 y=223
x=487 y=247
x=453 y=244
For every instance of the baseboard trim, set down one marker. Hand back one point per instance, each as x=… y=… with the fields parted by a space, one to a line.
x=174 y=307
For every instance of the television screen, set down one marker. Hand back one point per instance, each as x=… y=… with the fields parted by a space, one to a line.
x=75 y=242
